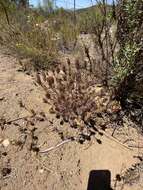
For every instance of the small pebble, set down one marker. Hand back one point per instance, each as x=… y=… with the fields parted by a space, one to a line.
x=1 y=98
x=6 y=143
x=41 y=171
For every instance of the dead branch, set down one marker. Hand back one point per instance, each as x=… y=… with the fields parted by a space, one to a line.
x=116 y=140
x=57 y=146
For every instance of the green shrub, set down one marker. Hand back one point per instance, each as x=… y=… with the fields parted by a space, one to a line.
x=124 y=63
x=129 y=57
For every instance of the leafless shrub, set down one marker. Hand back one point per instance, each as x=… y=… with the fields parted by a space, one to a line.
x=102 y=30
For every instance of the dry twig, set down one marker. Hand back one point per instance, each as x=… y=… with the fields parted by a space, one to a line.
x=115 y=140
x=55 y=147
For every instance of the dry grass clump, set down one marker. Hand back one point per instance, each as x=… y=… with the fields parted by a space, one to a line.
x=77 y=98
x=68 y=88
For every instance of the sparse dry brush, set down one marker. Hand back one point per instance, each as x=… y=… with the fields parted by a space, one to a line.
x=27 y=39
x=76 y=97
x=69 y=89
x=101 y=25
x=36 y=37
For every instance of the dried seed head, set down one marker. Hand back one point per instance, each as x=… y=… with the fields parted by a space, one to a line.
x=58 y=116
x=57 y=69
x=44 y=76
x=52 y=110
x=38 y=79
x=86 y=49
x=50 y=80
x=68 y=61
x=65 y=78
x=45 y=100
x=48 y=95
x=77 y=64
x=85 y=65
x=64 y=69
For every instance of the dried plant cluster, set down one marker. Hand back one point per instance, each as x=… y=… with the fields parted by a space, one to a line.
x=68 y=88
x=75 y=96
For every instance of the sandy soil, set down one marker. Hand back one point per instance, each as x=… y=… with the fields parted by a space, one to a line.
x=26 y=126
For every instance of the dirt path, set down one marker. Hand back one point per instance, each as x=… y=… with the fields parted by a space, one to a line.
x=66 y=168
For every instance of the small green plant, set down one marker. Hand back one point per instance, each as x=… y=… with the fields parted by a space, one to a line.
x=129 y=38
